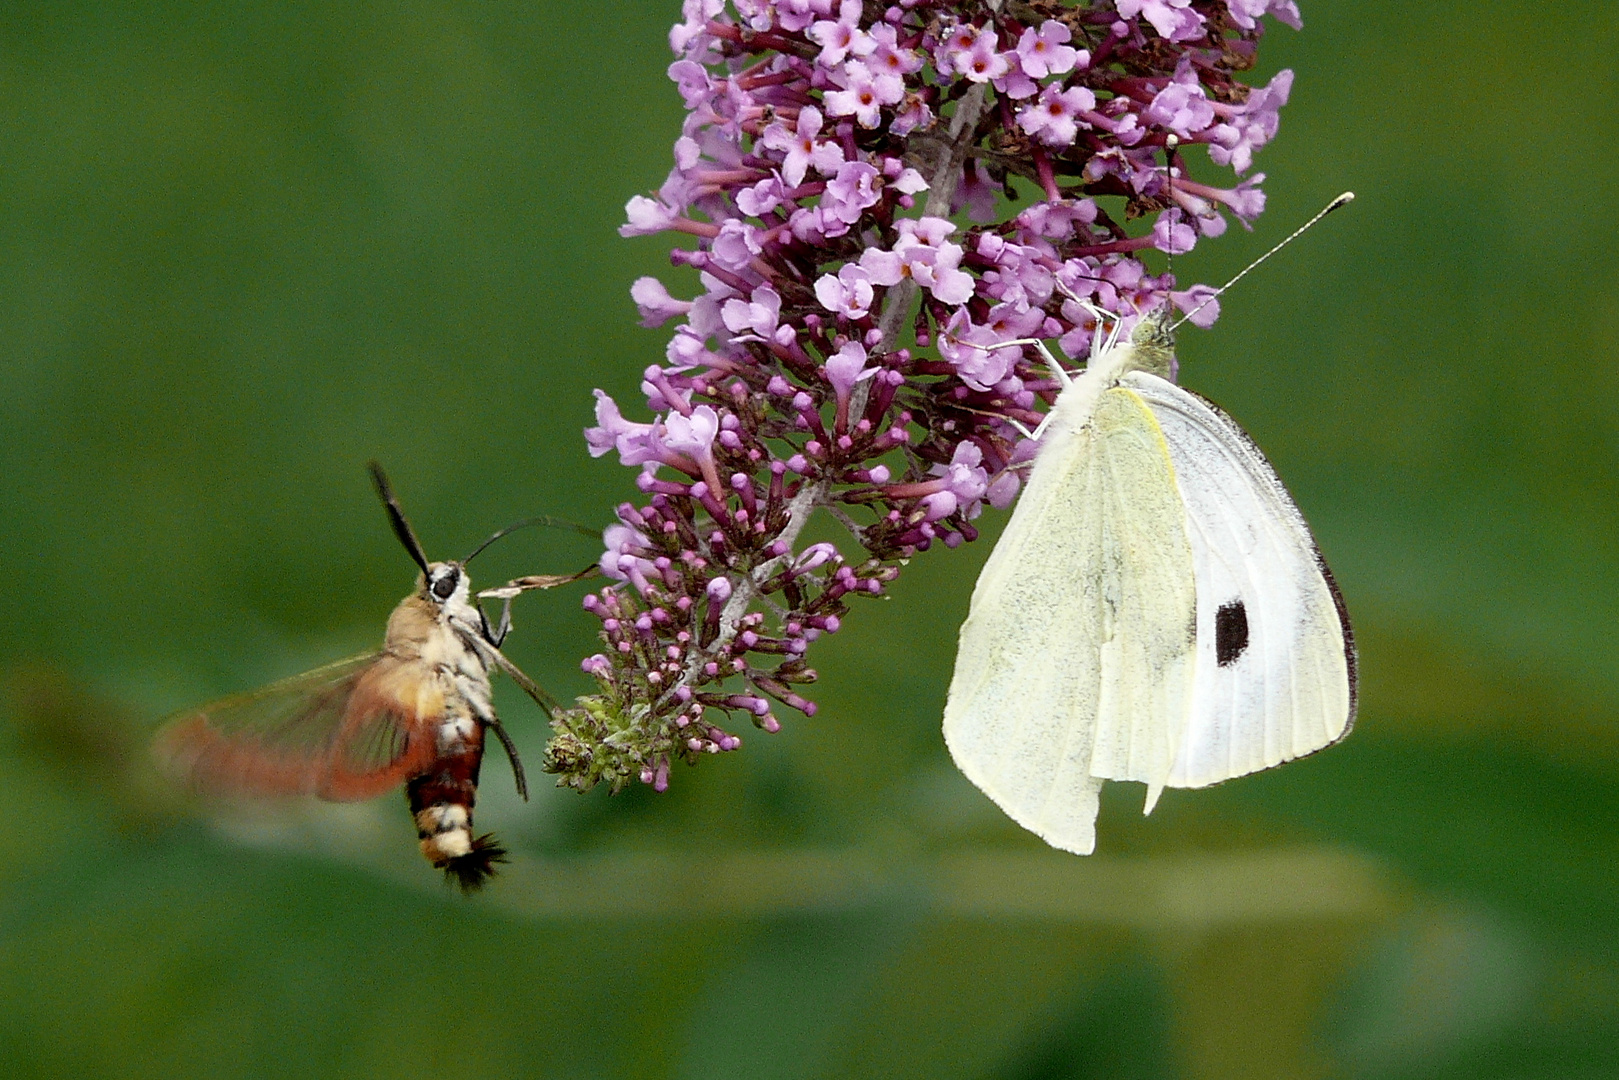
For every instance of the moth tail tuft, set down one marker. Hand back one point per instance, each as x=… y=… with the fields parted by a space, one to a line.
x=472 y=870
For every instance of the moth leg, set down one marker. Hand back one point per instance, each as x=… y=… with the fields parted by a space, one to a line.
x=496 y=636
x=493 y=723
x=505 y=626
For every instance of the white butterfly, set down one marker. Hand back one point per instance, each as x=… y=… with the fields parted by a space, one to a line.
x=1156 y=609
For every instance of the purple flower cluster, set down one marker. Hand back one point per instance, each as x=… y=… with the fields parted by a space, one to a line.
x=840 y=354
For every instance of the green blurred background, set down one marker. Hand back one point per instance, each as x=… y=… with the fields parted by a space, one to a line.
x=245 y=247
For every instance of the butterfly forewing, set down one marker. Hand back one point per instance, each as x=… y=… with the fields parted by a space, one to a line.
x=1275 y=666
x=335 y=731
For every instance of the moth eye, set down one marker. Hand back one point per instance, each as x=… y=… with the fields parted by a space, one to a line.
x=444 y=586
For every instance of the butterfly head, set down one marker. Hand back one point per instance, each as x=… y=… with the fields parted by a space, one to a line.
x=1152 y=343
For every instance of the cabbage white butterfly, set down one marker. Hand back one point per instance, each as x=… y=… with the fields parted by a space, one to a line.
x=1156 y=609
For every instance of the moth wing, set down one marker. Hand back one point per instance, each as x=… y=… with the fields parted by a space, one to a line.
x=350 y=730
x=1275 y=655
x=388 y=733
x=1075 y=662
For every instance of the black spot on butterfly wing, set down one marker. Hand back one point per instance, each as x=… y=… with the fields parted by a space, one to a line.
x=1230 y=632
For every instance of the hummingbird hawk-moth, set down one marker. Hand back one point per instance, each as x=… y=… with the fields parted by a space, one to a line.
x=413 y=713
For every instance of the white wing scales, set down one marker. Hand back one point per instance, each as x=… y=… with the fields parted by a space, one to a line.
x=1156 y=610
x=1076 y=661
x=1275 y=674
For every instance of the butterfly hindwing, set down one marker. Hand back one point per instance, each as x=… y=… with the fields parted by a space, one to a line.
x=1075 y=663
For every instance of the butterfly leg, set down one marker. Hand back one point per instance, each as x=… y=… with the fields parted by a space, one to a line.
x=1065 y=379
x=1024 y=431
x=1101 y=314
x=1100 y=341
x=1061 y=373
x=1040 y=429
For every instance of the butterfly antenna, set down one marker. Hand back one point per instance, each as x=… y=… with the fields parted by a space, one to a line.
x=396 y=515
x=1342 y=200
x=1171 y=141
x=543 y=519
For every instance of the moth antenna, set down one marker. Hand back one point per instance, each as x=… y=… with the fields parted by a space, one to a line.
x=1342 y=200
x=396 y=515
x=542 y=519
